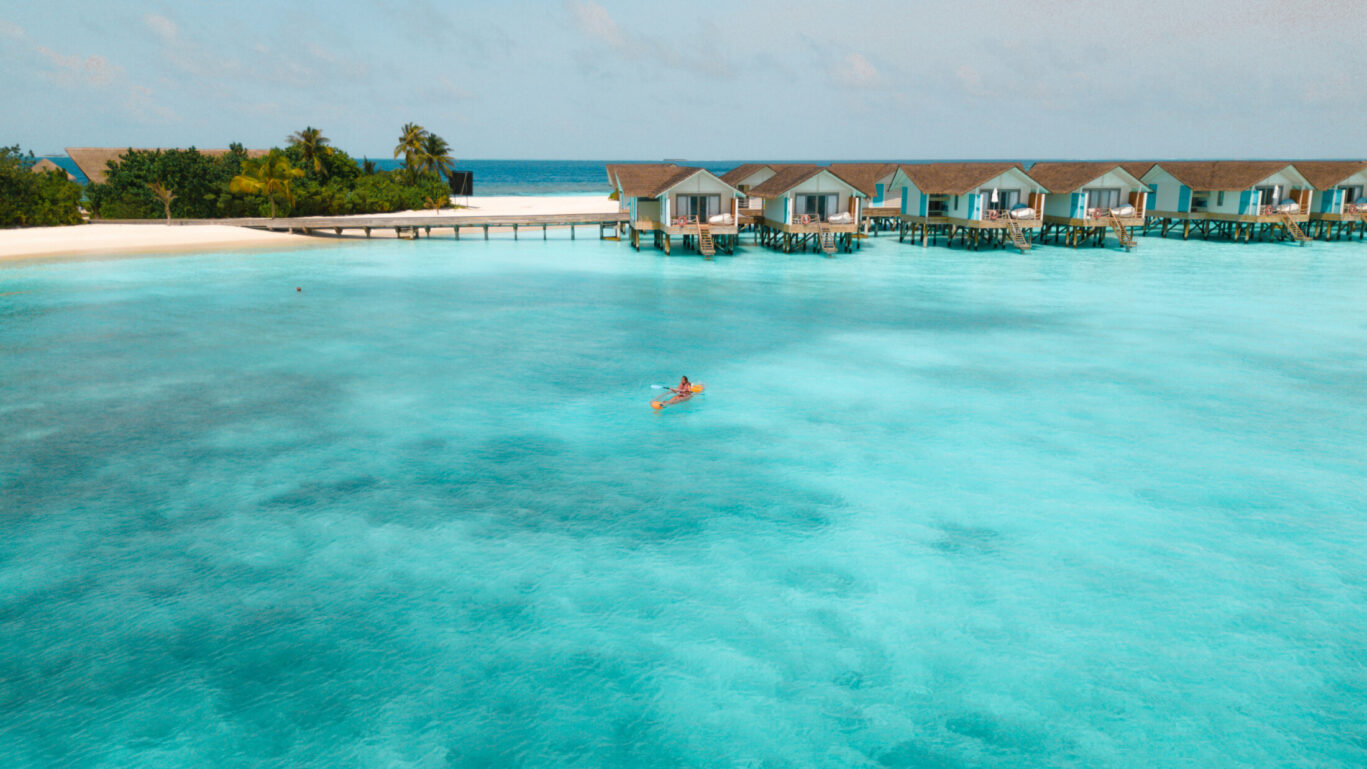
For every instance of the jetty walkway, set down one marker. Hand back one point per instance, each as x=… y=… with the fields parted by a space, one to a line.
x=411 y=226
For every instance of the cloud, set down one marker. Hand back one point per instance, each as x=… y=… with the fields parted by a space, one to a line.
x=969 y=78
x=595 y=21
x=11 y=31
x=855 y=71
x=163 y=27
x=72 y=71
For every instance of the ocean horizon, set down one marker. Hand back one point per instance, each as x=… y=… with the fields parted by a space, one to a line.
x=551 y=177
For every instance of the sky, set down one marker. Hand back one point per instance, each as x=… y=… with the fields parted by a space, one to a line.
x=759 y=80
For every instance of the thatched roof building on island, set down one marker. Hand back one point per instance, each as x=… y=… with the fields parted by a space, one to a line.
x=1338 y=204
x=1237 y=199
x=94 y=162
x=808 y=206
x=667 y=201
x=983 y=204
x=46 y=166
x=1088 y=199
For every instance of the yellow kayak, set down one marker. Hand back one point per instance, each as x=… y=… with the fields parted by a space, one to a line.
x=678 y=398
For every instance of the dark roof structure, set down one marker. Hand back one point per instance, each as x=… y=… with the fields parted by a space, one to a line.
x=955 y=178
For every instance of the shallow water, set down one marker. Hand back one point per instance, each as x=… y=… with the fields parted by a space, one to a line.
x=935 y=509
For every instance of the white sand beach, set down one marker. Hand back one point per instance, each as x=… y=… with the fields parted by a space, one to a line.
x=157 y=237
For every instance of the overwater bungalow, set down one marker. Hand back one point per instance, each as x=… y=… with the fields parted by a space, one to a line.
x=882 y=204
x=1226 y=198
x=983 y=204
x=1088 y=199
x=668 y=202
x=809 y=206
x=1338 y=205
x=745 y=177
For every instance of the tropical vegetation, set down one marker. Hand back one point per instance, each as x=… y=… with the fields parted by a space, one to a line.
x=29 y=199
x=270 y=176
x=307 y=177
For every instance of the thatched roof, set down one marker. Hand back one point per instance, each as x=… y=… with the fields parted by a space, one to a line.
x=45 y=166
x=1325 y=174
x=789 y=176
x=955 y=178
x=1137 y=168
x=648 y=180
x=1222 y=174
x=864 y=176
x=1069 y=177
x=738 y=174
x=94 y=161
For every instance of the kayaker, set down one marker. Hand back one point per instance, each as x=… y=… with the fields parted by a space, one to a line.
x=685 y=387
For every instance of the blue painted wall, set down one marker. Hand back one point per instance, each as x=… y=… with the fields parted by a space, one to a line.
x=1184 y=199
x=925 y=205
x=1245 y=202
x=1078 y=205
x=878 y=194
x=906 y=195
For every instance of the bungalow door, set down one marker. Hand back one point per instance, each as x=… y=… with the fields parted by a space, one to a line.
x=1006 y=199
x=1103 y=197
x=817 y=206
x=1352 y=194
x=699 y=207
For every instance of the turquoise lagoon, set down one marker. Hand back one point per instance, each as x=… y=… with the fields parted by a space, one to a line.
x=936 y=509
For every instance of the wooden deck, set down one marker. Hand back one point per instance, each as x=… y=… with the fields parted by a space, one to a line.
x=1218 y=217
x=1096 y=221
x=973 y=224
x=650 y=225
x=815 y=228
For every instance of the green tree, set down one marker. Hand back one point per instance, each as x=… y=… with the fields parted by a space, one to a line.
x=165 y=196
x=436 y=155
x=200 y=181
x=269 y=176
x=412 y=138
x=29 y=199
x=313 y=146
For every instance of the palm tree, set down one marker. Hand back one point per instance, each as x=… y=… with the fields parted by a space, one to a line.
x=436 y=204
x=270 y=176
x=165 y=195
x=314 y=147
x=436 y=155
x=367 y=166
x=411 y=139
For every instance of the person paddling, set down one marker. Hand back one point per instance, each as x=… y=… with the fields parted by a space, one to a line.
x=685 y=387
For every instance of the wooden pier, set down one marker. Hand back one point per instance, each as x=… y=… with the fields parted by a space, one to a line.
x=408 y=227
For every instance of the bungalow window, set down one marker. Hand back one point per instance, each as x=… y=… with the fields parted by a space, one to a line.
x=817 y=205
x=1264 y=196
x=1006 y=199
x=1352 y=194
x=935 y=205
x=699 y=206
x=1220 y=198
x=1103 y=197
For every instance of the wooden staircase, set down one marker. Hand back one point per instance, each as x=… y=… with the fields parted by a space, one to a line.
x=1018 y=238
x=705 y=245
x=1122 y=233
x=1294 y=230
x=825 y=239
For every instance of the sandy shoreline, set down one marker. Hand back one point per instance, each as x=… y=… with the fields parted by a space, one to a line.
x=102 y=239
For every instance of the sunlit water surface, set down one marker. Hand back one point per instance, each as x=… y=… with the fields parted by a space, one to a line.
x=935 y=509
